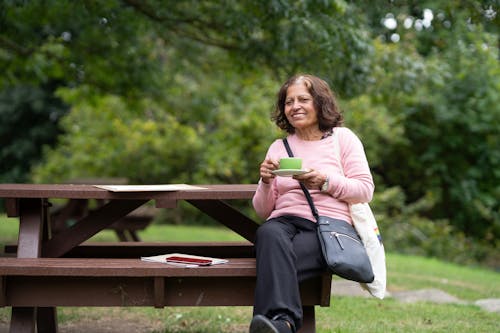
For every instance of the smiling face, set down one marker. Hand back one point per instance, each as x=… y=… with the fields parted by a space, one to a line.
x=299 y=108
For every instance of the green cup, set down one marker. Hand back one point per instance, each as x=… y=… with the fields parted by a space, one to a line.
x=291 y=163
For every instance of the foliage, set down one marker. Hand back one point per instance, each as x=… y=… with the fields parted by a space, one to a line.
x=427 y=23
x=30 y=118
x=405 y=229
x=440 y=118
x=461 y=170
x=219 y=138
x=450 y=133
x=133 y=144
x=76 y=42
x=85 y=42
x=278 y=35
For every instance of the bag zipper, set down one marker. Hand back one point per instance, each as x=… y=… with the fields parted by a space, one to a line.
x=337 y=236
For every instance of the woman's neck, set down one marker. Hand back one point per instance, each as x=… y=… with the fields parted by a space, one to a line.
x=309 y=134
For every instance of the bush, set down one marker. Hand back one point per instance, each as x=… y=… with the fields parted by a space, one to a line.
x=405 y=230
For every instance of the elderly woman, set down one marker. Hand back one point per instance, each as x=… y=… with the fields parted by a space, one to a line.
x=287 y=246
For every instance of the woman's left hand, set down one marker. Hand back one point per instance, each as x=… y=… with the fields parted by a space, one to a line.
x=313 y=179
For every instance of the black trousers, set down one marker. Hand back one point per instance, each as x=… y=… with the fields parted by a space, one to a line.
x=288 y=252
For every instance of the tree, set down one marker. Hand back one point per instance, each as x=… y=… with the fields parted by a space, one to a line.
x=440 y=84
x=85 y=42
x=30 y=117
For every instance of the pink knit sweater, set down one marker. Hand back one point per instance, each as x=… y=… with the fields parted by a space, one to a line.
x=283 y=196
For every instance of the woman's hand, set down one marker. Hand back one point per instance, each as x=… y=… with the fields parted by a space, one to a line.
x=265 y=170
x=313 y=179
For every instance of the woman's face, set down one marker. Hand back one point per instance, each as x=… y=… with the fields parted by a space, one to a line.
x=299 y=107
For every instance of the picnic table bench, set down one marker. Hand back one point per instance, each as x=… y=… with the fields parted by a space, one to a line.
x=47 y=283
x=45 y=271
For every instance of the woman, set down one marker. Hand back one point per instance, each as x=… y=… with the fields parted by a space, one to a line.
x=287 y=246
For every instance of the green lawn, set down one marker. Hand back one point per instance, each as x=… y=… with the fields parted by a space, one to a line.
x=346 y=314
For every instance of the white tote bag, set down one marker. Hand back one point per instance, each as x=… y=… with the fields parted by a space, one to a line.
x=367 y=228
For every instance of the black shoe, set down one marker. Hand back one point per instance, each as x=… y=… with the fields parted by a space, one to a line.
x=282 y=325
x=261 y=324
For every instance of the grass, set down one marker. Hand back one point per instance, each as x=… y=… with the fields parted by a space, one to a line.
x=345 y=315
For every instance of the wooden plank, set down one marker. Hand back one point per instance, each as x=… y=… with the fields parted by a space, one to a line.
x=30 y=228
x=74 y=208
x=89 y=226
x=326 y=287
x=2 y=291
x=128 y=291
x=241 y=249
x=53 y=291
x=118 y=267
x=309 y=320
x=229 y=216
x=137 y=249
x=159 y=292
x=166 y=203
x=68 y=191
x=32 y=216
x=12 y=207
x=46 y=320
x=23 y=319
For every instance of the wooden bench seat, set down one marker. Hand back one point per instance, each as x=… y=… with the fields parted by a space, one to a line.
x=53 y=282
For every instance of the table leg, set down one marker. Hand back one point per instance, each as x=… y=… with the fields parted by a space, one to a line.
x=229 y=216
x=121 y=235
x=47 y=320
x=30 y=228
x=46 y=317
x=100 y=218
x=309 y=320
x=134 y=237
x=23 y=320
x=74 y=207
x=32 y=215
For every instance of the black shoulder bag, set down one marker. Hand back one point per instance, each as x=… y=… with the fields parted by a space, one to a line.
x=340 y=243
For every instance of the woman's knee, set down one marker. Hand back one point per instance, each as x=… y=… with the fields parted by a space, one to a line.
x=270 y=230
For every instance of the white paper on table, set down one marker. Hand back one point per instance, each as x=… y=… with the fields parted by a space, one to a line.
x=149 y=188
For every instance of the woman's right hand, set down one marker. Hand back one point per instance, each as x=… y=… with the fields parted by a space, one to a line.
x=266 y=169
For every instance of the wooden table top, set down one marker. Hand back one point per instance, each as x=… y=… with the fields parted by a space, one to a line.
x=79 y=191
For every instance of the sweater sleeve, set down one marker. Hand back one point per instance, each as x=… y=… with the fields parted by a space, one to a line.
x=356 y=185
x=264 y=199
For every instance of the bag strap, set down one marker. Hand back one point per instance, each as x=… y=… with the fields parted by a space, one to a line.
x=336 y=148
x=304 y=188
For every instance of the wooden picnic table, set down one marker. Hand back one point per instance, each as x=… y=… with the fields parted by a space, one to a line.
x=30 y=202
x=28 y=280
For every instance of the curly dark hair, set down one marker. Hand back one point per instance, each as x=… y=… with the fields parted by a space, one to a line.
x=325 y=102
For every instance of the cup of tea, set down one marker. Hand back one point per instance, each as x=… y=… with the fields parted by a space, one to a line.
x=291 y=163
